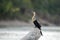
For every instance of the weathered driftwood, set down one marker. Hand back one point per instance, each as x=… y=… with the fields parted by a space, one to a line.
x=33 y=35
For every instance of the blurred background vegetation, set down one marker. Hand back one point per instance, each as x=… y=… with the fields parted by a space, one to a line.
x=48 y=10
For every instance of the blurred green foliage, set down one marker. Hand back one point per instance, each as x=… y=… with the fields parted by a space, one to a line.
x=11 y=9
x=51 y=6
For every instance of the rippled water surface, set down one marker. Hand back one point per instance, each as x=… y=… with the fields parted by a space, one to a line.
x=17 y=33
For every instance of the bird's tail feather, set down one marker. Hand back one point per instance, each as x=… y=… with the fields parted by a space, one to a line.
x=41 y=33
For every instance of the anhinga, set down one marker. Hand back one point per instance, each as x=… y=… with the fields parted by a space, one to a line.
x=36 y=33
x=34 y=20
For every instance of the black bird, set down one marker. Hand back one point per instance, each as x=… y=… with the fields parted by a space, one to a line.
x=34 y=20
x=36 y=33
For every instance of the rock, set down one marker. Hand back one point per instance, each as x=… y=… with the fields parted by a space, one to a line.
x=33 y=35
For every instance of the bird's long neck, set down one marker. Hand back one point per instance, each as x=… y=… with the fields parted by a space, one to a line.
x=34 y=17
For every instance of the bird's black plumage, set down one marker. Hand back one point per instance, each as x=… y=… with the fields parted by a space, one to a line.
x=37 y=24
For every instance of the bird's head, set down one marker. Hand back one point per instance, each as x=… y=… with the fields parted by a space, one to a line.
x=34 y=13
x=33 y=17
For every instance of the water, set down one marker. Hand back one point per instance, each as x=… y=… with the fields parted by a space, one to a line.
x=17 y=33
x=48 y=35
x=12 y=35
